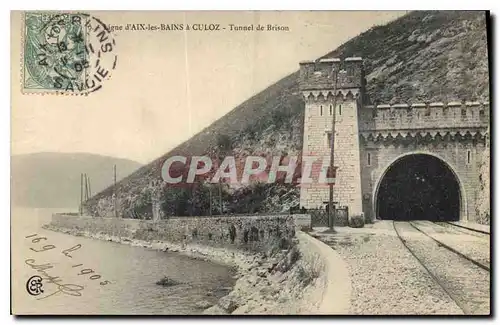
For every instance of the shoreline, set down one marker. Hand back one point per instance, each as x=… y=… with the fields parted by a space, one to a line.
x=283 y=280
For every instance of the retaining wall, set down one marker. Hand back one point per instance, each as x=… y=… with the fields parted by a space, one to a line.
x=254 y=233
x=328 y=294
x=332 y=291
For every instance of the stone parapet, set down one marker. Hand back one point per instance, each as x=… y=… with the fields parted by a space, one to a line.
x=424 y=116
x=320 y=74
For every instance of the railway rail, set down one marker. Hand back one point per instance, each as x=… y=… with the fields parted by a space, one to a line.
x=451 y=249
x=474 y=230
x=456 y=274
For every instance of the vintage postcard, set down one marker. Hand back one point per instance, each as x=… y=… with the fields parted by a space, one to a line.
x=250 y=162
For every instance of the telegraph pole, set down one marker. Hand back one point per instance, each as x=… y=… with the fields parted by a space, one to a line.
x=210 y=194
x=331 y=220
x=90 y=191
x=219 y=185
x=114 y=190
x=220 y=198
x=86 y=187
x=81 y=193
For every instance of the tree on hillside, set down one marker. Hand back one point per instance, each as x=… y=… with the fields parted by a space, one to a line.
x=175 y=200
x=224 y=147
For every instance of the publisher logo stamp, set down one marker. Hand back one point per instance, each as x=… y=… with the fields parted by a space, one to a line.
x=34 y=285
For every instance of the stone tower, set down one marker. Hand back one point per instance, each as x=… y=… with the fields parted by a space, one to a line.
x=317 y=85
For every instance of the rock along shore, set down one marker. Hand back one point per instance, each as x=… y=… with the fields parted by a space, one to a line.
x=301 y=277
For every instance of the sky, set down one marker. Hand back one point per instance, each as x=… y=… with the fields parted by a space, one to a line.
x=169 y=85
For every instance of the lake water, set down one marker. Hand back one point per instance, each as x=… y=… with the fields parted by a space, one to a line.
x=102 y=277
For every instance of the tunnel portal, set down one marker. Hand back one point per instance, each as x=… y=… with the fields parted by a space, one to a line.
x=418 y=187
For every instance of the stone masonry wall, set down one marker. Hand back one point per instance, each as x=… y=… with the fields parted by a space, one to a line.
x=348 y=178
x=442 y=117
x=400 y=120
x=453 y=154
x=321 y=82
x=253 y=233
x=361 y=166
x=318 y=123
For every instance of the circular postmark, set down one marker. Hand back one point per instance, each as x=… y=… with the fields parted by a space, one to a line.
x=71 y=53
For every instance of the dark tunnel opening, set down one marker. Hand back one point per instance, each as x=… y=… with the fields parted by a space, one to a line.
x=419 y=187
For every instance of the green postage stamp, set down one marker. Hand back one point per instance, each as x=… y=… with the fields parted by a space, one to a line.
x=65 y=53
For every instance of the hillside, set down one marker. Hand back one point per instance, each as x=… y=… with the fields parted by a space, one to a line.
x=423 y=56
x=52 y=180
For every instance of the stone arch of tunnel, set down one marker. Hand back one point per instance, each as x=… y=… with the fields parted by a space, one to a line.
x=419 y=187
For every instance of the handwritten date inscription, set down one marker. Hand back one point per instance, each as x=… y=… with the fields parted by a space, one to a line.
x=41 y=245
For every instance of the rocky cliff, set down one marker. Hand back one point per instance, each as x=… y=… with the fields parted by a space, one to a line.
x=483 y=205
x=423 y=56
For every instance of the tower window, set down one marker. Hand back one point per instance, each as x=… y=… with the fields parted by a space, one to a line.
x=464 y=112
x=321 y=110
x=369 y=158
x=340 y=109
x=468 y=156
x=331 y=109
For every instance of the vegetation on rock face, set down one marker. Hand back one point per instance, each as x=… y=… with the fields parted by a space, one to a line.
x=483 y=204
x=357 y=221
x=423 y=56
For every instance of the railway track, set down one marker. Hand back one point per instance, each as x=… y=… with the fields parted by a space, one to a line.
x=451 y=249
x=460 y=230
x=470 y=230
x=465 y=282
x=463 y=230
